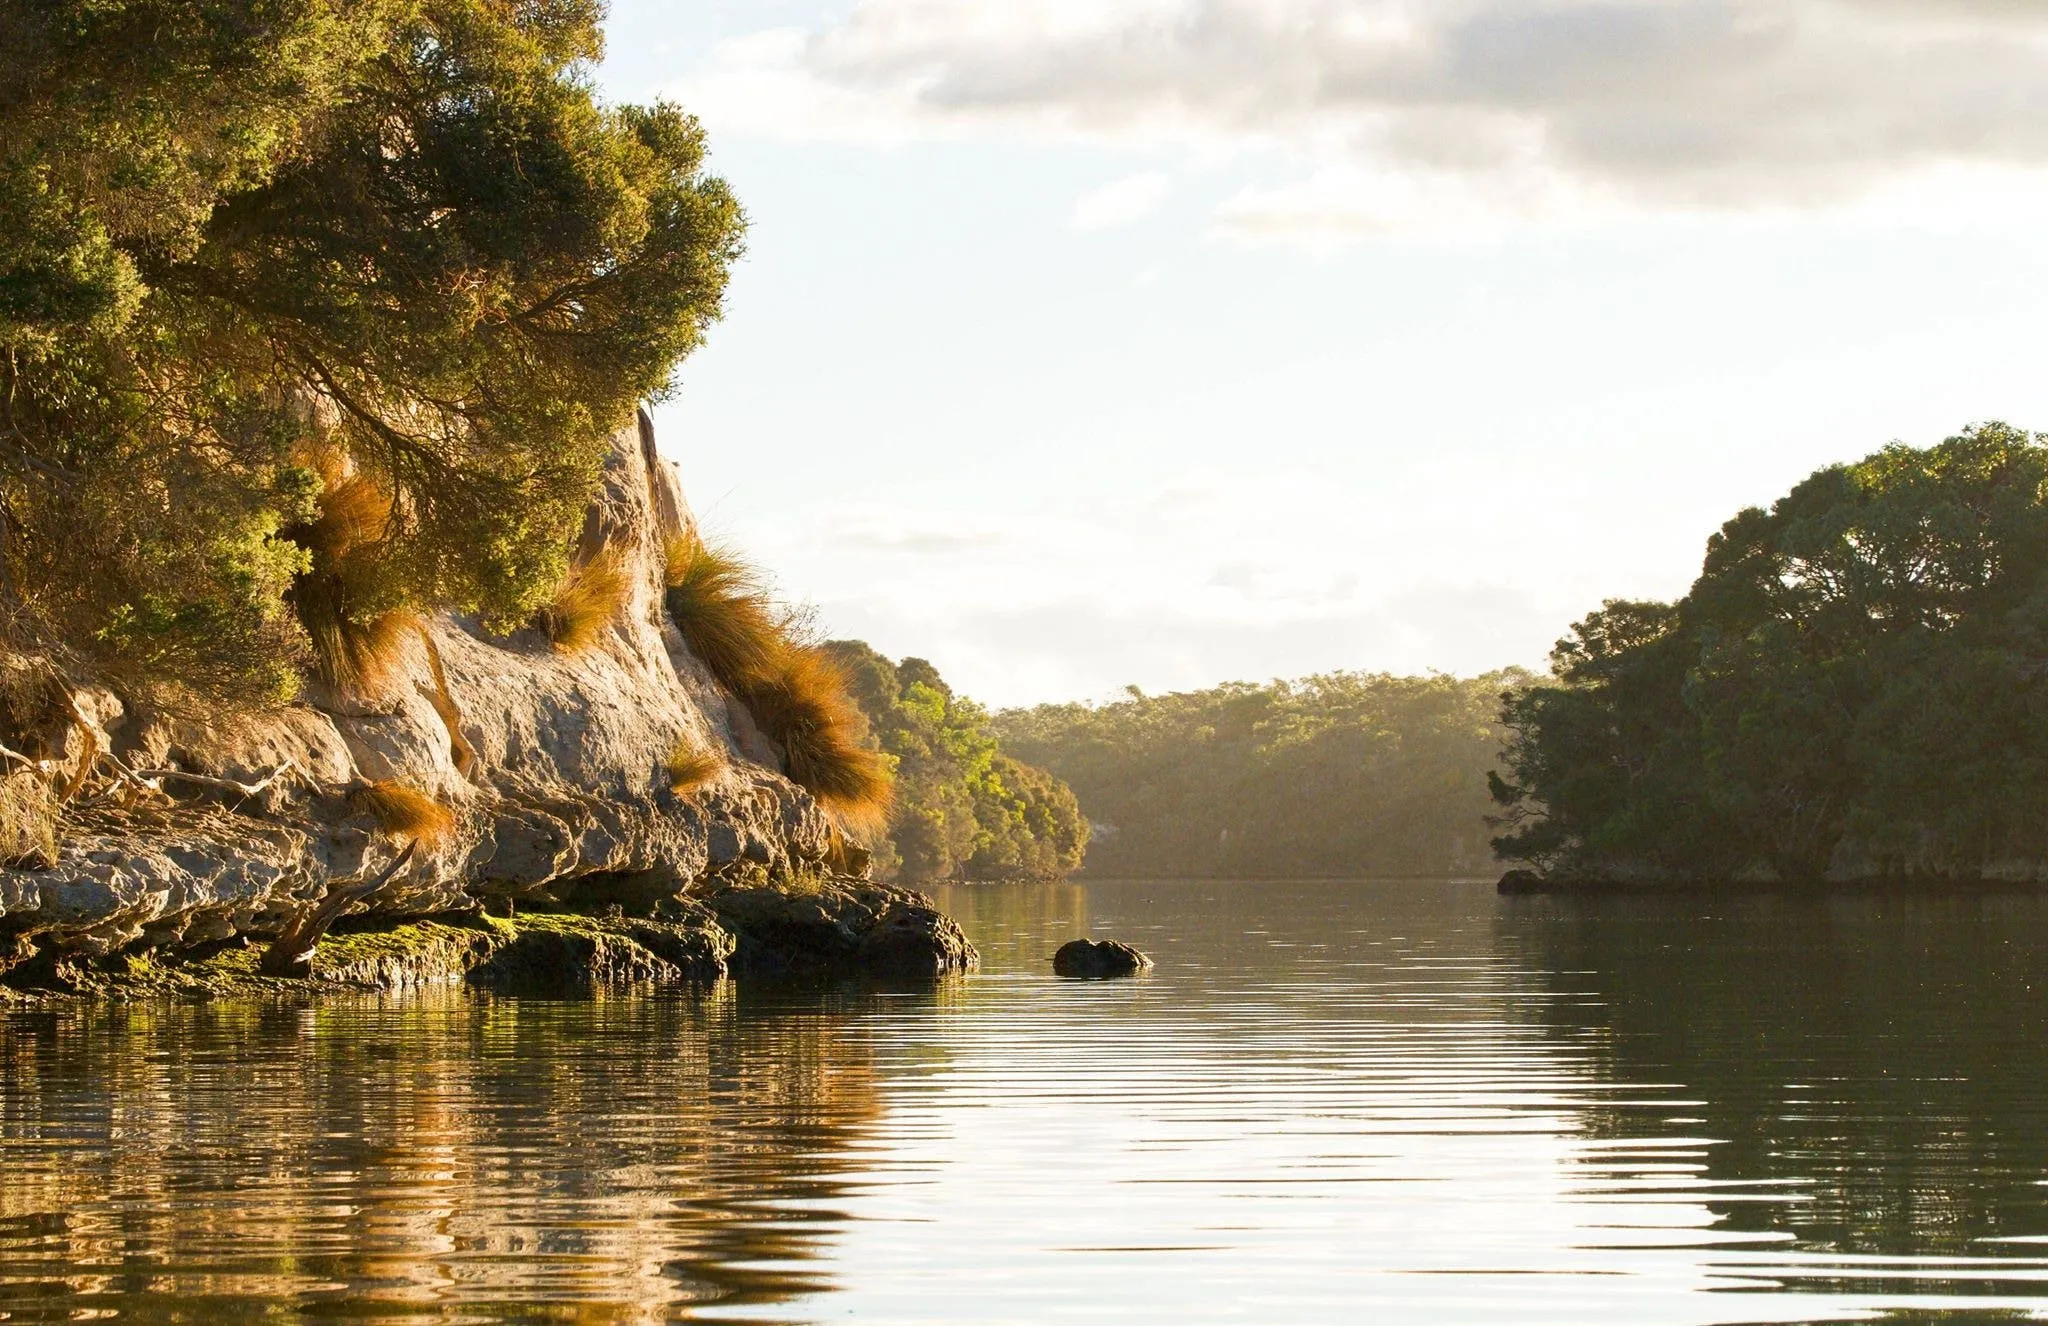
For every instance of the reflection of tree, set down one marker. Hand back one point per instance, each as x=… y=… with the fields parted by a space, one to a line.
x=430 y=1151
x=1883 y=1053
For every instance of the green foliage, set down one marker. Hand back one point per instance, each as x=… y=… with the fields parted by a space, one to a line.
x=404 y=232
x=1853 y=686
x=964 y=808
x=1345 y=774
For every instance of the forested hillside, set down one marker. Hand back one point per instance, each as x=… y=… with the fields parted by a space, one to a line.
x=965 y=808
x=1336 y=775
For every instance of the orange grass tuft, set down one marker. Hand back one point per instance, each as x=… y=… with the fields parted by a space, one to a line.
x=352 y=650
x=805 y=707
x=347 y=654
x=722 y=608
x=404 y=812
x=691 y=767
x=795 y=691
x=590 y=598
x=28 y=822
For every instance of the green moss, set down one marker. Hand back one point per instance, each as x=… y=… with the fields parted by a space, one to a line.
x=552 y=949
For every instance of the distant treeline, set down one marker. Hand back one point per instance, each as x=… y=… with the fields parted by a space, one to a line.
x=1855 y=687
x=1338 y=775
x=965 y=809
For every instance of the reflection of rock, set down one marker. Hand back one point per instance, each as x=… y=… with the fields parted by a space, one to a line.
x=555 y=768
x=1098 y=958
x=843 y=927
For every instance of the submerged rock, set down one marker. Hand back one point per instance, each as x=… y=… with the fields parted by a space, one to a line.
x=1090 y=958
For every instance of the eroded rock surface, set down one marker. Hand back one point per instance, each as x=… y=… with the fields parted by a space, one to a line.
x=554 y=765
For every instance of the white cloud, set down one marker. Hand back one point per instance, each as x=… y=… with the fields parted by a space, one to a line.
x=1121 y=202
x=1399 y=114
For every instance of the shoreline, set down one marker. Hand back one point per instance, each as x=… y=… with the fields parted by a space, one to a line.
x=842 y=929
x=1521 y=883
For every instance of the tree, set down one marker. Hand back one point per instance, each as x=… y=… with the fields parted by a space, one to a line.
x=258 y=257
x=1336 y=775
x=965 y=809
x=1853 y=685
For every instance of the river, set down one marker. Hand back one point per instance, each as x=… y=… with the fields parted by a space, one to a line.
x=1333 y=1102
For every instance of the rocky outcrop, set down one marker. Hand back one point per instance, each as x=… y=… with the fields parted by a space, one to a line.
x=845 y=927
x=555 y=767
x=1098 y=959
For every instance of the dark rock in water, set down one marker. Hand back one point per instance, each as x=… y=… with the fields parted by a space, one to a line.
x=913 y=940
x=842 y=929
x=1520 y=881
x=1093 y=958
x=572 y=959
x=568 y=952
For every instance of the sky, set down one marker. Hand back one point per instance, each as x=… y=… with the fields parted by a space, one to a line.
x=1163 y=343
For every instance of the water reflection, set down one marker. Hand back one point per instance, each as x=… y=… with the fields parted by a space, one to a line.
x=1395 y=1101
x=1879 y=1058
x=441 y=1152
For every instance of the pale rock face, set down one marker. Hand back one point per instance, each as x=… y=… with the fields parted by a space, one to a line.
x=555 y=766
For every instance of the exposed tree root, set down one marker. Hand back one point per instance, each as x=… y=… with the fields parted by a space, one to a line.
x=291 y=953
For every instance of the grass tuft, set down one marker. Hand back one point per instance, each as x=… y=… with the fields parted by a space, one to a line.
x=589 y=599
x=350 y=655
x=805 y=707
x=355 y=648
x=722 y=608
x=796 y=692
x=691 y=767
x=28 y=822
x=404 y=812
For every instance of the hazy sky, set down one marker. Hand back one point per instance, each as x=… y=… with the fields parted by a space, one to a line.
x=1171 y=342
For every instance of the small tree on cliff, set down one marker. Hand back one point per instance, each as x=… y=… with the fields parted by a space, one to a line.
x=289 y=283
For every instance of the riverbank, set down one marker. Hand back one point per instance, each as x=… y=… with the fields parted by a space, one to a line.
x=619 y=813
x=833 y=929
x=1527 y=883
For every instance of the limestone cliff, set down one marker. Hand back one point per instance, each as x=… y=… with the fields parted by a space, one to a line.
x=554 y=765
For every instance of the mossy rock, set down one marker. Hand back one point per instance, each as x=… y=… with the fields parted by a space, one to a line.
x=564 y=951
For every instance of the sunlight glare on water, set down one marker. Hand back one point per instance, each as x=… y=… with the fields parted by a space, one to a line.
x=1332 y=1102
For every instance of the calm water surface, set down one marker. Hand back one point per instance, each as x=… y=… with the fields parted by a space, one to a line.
x=1334 y=1102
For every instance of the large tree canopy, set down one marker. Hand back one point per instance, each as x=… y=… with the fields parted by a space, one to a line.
x=258 y=260
x=1854 y=685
